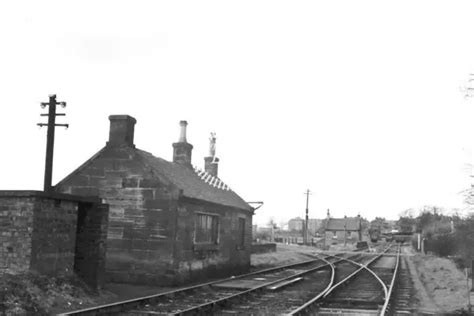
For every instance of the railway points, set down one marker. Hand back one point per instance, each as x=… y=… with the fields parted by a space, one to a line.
x=363 y=283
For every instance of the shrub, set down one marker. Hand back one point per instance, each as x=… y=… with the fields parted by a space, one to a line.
x=33 y=294
x=442 y=245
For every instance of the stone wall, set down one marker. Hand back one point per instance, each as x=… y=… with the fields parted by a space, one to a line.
x=263 y=248
x=38 y=233
x=53 y=241
x=16 y=229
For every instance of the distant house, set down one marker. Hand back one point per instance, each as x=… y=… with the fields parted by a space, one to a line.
x=296 y=224
x=169 y=222
x=313 y=225
x=343 y=230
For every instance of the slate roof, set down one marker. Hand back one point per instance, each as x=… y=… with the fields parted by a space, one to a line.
x=194 y=182
x=350 y=223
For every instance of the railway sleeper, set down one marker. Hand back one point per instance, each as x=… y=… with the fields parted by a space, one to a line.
x=350 y=304
x=282 y=284
x=346 y=312
x=145 y=313
x=352 y=300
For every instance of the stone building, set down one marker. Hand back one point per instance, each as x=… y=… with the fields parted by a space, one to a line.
x=169 y=222
x=342 y=230
x=296 y=224
x=313 y=225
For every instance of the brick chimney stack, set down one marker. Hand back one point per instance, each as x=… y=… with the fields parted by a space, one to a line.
x=182 y=150
x=122 y=128
x=211 y=162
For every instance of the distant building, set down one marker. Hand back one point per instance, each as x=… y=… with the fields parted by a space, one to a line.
x=296 y=224
x=313 y=225
x=343 y=230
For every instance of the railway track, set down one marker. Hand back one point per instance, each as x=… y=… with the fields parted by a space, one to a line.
x=326 y=285
x=203 y=296
x=368 y=291
x=404 y=296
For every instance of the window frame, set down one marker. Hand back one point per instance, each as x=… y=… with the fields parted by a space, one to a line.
x=216 y=229
x=241 y=233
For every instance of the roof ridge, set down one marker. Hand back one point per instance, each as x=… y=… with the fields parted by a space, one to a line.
x=194 y=181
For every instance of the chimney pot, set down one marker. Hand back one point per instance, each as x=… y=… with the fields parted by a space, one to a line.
x=182 y=150
x=182 y=133
x=122 y=129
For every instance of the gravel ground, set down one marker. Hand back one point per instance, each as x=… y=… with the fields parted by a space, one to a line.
x=285 y=254
x=440 y=287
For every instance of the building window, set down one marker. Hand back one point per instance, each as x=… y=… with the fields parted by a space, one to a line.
x=206 y=229
x=241 y=241
x=334 y=234
x=349 y=234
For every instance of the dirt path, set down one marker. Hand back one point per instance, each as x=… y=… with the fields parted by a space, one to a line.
x=439 y=286
x=425 y=302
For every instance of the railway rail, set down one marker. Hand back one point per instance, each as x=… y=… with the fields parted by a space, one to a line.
x=254 y=280
x=326 y=285
x=365 y=291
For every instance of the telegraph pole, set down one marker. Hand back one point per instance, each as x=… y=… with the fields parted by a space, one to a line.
x=305 y=228
x=48 y=169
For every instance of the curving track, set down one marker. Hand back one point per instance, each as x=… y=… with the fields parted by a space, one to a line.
x=361 y=284
x=207 y=296
x=367 y=291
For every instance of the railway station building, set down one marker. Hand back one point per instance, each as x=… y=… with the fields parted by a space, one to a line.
x=169 y=222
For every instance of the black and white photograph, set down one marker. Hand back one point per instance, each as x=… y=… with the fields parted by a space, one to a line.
x=237 y=157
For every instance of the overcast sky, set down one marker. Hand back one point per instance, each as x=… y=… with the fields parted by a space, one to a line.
x=358 y=101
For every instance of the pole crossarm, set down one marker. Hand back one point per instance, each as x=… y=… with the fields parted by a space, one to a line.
x=48 y=170
x=46 y=124
x=57 y=114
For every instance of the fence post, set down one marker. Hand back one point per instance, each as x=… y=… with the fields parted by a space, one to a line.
x=468 y=290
